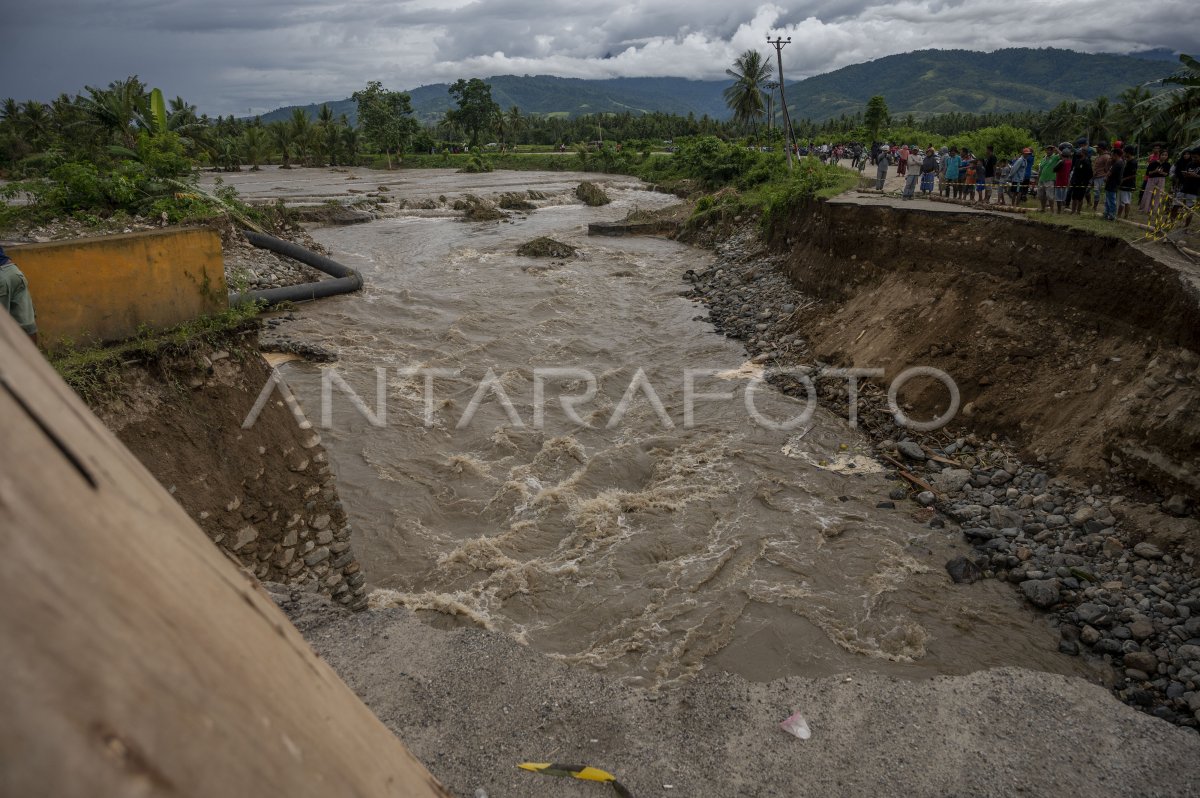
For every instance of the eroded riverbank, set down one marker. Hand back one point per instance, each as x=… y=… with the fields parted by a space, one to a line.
x=648 y=548
x=654 y=538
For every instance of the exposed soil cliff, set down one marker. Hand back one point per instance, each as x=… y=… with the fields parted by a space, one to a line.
x=265 y=495
x=1081 y=349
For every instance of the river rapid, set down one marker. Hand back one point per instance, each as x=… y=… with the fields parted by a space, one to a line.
x=625 y=538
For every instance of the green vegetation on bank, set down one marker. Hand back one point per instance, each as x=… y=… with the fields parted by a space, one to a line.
x=93 y=370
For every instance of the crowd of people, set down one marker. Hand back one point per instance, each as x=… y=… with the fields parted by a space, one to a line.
x=1079 y=177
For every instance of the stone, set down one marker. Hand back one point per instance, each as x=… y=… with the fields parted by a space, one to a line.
x=320 y=522
x=1082 y=516
x=1092 y=614
x=338 y=548
x=926 y=498
x=952 y=480
x=1143 y=661
x=317 y=556
x=1141 y=628
x=245 y=536
x=911 y=450
x=1089 y=635
x=1176 y=505
x=1000 y=478
x=1042 y=592
x=963 y=571
x=290 y=539
x=1147 y=550
x=325 y=536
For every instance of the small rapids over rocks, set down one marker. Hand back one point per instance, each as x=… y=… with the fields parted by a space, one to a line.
x=630 y=538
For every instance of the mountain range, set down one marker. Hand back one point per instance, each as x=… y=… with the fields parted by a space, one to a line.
x=923 y=83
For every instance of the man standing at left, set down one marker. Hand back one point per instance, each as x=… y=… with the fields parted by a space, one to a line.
x=14 y=296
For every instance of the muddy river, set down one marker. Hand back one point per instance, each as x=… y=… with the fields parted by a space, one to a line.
x=616 y=529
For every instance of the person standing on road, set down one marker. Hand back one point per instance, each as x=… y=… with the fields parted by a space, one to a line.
x=15 y=298
x=929 y=171
x=881 y=168
x=1046 y=173
x=1112 y=184
x=1100 y=168
x=912 y=171
x=989 y=173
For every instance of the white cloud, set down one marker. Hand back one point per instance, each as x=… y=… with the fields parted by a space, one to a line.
x=227 y=56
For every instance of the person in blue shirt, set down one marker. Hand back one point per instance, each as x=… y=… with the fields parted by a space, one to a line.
x=954 y=172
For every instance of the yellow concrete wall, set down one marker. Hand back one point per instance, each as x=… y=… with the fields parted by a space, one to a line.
x=96 y=290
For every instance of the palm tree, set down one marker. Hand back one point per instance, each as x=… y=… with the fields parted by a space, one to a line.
x=256 y=146
x=281 y=137
x=516 y=123
x=119 y=109
x=326 y=133
x=1097 y=120
x=1177 y=109
x=34 y=124
x=301 y=130
x=745 y=96
x=1131 y=115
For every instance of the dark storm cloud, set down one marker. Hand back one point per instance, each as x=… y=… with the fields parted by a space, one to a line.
x=228 y=56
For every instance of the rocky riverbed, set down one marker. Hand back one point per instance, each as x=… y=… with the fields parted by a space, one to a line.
x=1074 y=550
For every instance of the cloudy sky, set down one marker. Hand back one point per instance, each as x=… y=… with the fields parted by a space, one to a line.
x=239 y=56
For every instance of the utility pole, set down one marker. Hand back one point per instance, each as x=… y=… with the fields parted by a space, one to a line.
x=790 y=140
x=771 y=87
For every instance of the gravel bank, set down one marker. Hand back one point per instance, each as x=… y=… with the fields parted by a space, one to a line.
x=472 y=704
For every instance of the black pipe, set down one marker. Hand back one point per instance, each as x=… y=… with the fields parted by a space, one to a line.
x=347 y=279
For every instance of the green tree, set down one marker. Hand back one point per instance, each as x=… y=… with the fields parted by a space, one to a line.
x=476 y=110
x=281 y=137
x=1098 y=119
x=1177 y=110
x=302 y=133
x=745 y=95
x=118 y=110
x=327 y=135
x=516 y=123
x=256 y=145
x=876 y=117
x=385 y=118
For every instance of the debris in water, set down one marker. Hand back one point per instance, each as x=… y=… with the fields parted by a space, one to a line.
x=591 y=194
x=583 y=772
x=797 y=725
x=545 y=247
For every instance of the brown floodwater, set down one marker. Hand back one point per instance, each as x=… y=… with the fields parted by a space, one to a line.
x=647 y=547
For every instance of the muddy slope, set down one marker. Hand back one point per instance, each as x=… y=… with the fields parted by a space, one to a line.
x=1082 y=349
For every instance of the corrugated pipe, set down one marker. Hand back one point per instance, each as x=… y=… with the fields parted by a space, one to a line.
x=347 y=279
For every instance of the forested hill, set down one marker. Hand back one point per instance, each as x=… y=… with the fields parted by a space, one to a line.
x=923 y=83
x=929 y=82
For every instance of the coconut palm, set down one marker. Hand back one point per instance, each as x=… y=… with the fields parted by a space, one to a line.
x=1098 y=120
x=34 y=124
x=281 y=137
x=745 y=96
x=516 y=123
x=118 y=110
x=256 y=146
x=1177 y=109
x=301 y=130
